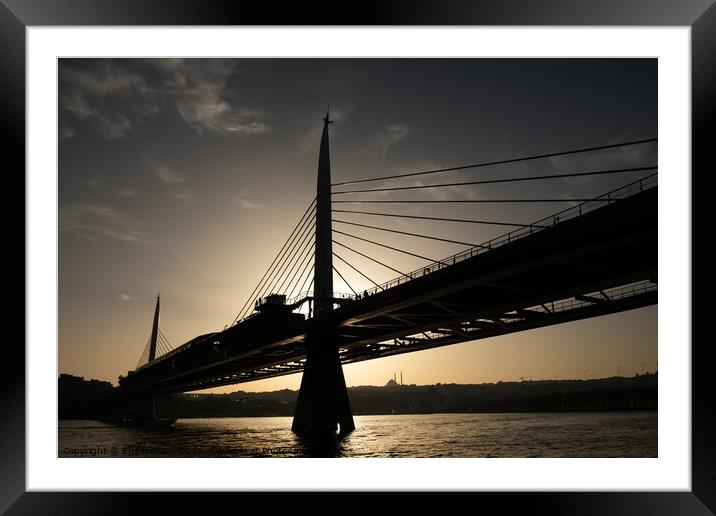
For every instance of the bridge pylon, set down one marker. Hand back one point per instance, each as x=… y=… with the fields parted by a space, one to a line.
x=155 y=331
x=323 y=406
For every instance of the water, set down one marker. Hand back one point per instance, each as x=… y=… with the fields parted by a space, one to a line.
x=594 y=434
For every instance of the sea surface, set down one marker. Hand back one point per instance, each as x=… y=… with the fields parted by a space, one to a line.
x=573 y=434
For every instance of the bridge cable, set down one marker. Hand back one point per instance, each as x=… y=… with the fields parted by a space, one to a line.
x=410 y=234
x=307 y=267
x=528 y=225
x=144 y=357
x=159 y=342
x=372 y=259
x=297 y=264
x=166 y=348
x=395 y=201
x=268 y=275
x=162 y=338
x=283 y=263
x=289 y=256
x=295 y=255
x=165 y=338
x=387 y=246
x=276 y=258
x=162 y=350
x=304 y=283
x=500 y=162
x=344 y=280
x=302 y=278
x=489 y=222
x=304 y=254
x=279 y=268
x=158 y=349
x=509 y=180
x=358 y=271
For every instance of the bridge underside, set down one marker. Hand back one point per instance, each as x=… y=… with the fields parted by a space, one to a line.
x=599 y=263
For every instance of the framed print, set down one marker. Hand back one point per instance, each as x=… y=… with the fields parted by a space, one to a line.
x=403 y=182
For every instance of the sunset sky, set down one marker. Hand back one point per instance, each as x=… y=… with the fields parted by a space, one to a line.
x=185 y=177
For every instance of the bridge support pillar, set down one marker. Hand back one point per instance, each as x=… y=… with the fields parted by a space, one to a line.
x=323 y=407
x=140 y=410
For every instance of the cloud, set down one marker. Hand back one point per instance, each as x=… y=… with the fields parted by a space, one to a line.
x=117 y=95
x=104 y=78
x=66 y=132
x=110 y=123
x=124 y=297
x=127 y=192
x=387 y=138
x=245 y=203
x=170 y=177
x=101 y=188
x=92 y=221
x=183 y=195
x=201 y=96
x=206 y=112
x=164 y=172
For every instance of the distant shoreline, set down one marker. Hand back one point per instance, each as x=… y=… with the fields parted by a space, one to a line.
x=81 y=399
x=411 y=414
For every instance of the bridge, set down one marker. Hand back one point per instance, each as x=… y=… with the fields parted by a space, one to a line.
x=596 y=257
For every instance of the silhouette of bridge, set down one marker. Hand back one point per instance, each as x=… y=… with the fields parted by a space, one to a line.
x=596 y=257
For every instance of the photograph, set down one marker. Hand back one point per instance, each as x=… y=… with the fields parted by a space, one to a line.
x=357 y=257
x=408 y=248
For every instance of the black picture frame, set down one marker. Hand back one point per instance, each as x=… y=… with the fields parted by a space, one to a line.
x=17 y=15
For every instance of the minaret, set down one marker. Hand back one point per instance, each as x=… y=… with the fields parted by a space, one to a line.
x=323 y=268
x=155 y=331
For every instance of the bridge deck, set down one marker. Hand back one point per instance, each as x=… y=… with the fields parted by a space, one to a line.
x=600 y=262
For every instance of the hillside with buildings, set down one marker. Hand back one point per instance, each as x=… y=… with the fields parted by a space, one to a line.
x=83 y=399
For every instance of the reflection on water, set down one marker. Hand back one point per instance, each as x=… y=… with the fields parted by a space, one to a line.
x=604 y=434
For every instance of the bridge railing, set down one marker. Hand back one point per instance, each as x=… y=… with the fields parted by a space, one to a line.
x=613 y=294
x=309 y=294
x=556 y=307
x=173 y=352
x=547 y=222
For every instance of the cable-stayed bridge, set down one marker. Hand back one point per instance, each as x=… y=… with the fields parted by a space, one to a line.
x=597 y=256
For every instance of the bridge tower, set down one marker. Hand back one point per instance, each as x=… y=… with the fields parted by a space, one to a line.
x=322 y=406
x=140 y=408
x=155 y=331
